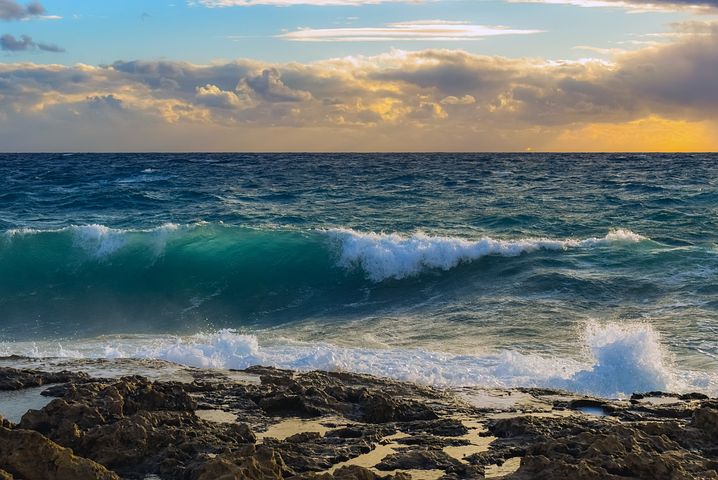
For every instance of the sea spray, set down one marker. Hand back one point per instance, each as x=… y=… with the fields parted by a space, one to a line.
x=627 y=358
x=620 y=360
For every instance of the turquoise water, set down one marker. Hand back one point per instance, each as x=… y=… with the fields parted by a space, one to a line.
x=595 y=273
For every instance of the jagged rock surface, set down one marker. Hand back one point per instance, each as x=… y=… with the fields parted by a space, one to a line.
x=132 y=427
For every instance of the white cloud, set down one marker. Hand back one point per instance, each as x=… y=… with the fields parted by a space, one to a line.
x=637 y=6
x=453 y=100
x=286 y=3
x=440 y=30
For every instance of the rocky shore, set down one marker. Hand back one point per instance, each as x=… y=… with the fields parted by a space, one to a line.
x=263 y=423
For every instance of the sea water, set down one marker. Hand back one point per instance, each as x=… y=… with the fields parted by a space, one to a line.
x=589 y=272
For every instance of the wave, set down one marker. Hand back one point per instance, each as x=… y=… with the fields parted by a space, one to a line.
x=381 y=255
x=171 y=277
x=619 y=360
x=101 y=241
x=398 y=256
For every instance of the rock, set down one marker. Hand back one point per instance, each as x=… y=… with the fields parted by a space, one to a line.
x=351 y=472
x=242 y=433
x=288 y=404
x=249 y=463
x=136 y=427
x=354 y=472
x=31 y=456
x=14 y=379
x=433 y=441
x=706 y=419
x=567 y=449
x=422 y=459
x=443 y=427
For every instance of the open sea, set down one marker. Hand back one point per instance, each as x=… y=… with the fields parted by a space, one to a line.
x=595 y=273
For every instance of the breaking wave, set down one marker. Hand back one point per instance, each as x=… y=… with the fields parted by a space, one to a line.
x=618 y=360
x=398 y=256
x=90 y=280
x=381 y=256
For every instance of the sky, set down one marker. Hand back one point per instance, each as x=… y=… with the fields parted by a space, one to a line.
x=358 y=75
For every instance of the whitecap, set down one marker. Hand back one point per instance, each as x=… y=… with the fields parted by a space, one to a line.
x=396 y=256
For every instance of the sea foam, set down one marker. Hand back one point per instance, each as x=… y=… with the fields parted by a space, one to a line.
x=101 y=241
x=618 y=360
x=396 y=256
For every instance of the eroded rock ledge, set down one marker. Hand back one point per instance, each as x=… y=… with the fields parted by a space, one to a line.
x=264 y=423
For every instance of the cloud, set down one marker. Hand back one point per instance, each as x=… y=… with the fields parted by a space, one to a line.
x=214 y=97
x=438 y=99
x=25 y=43
x=637 y=6
x=286 y=3
x=452 y=100
x=404 y=31
x=12 y=10
x=105 y=101
x=269 y=86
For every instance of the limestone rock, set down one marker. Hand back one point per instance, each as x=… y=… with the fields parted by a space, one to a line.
x=31 y=456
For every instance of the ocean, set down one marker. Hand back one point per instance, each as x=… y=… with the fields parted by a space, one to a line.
x=595 y=273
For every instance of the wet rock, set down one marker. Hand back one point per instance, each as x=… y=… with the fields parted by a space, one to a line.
x=581 y=448
x=29 y=455
x=136 y=428
x=706 y=419
x=14 y=379
x=287 y=404
x=379 y=408
x=355 y=396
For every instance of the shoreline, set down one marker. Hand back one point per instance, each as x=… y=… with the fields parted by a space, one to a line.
x=155 y=419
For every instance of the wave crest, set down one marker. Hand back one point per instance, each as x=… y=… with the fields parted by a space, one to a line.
x=395 y=256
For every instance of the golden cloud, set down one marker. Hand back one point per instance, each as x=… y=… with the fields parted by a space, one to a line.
x=660 y=97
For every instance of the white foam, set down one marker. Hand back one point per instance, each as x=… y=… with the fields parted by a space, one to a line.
x=392 y=255
x=627 y=359
x=618 y=360
x=101 y=241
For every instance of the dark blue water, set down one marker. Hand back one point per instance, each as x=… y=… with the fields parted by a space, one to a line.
x=609 y=260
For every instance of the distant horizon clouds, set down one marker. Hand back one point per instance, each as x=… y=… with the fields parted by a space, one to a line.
x=358 y=75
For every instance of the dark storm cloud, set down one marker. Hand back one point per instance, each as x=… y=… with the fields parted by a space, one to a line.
x=12 y=10
x=25 y=43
